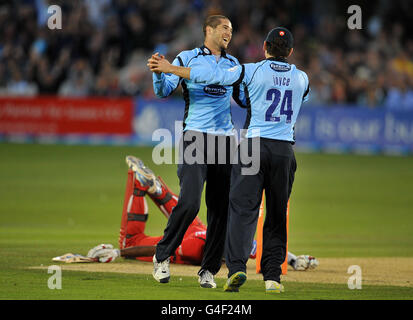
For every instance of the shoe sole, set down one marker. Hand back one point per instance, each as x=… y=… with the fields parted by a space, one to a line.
x=138 y=166
x=162 y=280
x=143 y=174
x=235 y=281
x=272 y=291
x=208 y=285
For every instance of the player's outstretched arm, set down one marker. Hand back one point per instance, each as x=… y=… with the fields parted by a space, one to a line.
x=159 y=64
x=208 y=75
x=138 y=251
x=106 y=253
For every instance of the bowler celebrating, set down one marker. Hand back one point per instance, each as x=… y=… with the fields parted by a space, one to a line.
x=207 y=119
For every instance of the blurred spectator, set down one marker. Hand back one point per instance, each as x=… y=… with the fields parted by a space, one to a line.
x=18 y=86
x=107 y=82
x=3 y=81
x=79 y=82
x=104 y=44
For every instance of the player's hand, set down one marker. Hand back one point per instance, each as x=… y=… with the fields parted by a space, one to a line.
x=305 y=262
x=92 y=252
x=107 y=255
x=159 y=64
x=313 y=263
x=153 y=61
x=104 y=253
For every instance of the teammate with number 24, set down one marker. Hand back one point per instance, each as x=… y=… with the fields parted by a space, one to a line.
x=273 y=91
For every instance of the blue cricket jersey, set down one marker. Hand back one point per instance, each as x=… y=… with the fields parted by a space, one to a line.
x=207 y=106
x=272 y=90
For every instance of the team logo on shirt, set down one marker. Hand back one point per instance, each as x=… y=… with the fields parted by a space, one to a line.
x=280 y=67
x=215 y=90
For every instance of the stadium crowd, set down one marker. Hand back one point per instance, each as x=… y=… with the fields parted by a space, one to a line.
x=103 y=46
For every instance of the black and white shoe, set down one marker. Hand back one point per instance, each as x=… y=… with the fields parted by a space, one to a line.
x=206 y=279
x=161 y=270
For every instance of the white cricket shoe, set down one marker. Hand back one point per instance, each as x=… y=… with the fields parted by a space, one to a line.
x=206 y=279
x=273 y=287
x=144 y=175
x=161 y=270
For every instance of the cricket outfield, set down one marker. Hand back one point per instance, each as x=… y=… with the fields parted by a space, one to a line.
x=345 y=210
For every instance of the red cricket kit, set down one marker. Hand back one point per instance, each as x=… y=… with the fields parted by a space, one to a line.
x=135 y=215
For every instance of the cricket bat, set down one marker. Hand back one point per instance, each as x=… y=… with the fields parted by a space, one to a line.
x=74 y=258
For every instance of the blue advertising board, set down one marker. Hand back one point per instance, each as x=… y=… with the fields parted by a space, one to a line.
x=355 y=129
x=344 y=128
x=155 y=114
x=339 y=128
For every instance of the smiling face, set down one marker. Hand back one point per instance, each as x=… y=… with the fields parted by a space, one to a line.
x=219 y=37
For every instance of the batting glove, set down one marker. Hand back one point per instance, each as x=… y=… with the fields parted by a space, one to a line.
x=92 y=252
x=313 y=263
x=305 y=262
x=107 y=255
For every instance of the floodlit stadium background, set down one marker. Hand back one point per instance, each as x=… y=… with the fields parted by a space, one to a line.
x=104 y=44
x=365 y=76
x=74 y=102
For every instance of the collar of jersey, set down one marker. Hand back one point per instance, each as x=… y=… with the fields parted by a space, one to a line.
x=279 y=59
x=207 y=52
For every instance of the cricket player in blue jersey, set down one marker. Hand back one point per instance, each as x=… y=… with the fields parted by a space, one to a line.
x=273 y=90
x=208 y=132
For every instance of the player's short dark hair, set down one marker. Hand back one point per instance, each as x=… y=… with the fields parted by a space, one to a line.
x=213 y=21
x=278 y=48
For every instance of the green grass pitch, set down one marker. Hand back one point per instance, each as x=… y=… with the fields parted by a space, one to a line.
x=56 y=199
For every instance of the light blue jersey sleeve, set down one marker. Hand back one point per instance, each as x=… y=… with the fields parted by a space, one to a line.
x=224 y=77
x=165 y=84
x=236 y=76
